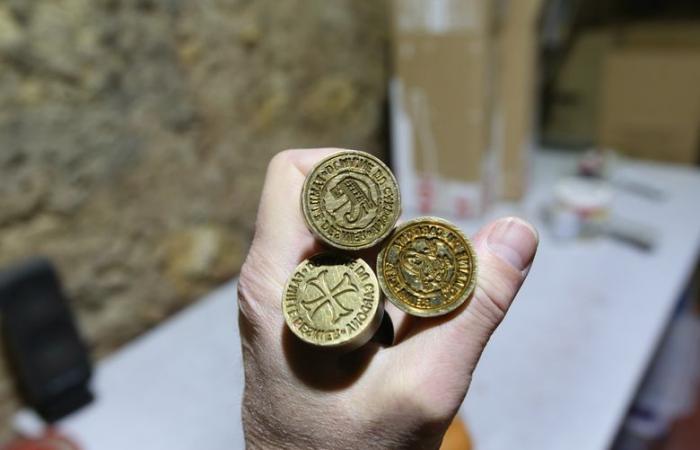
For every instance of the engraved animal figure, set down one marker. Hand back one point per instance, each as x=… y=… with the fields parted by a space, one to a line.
x=425 y=268
x=357 y=194
x=330 y=295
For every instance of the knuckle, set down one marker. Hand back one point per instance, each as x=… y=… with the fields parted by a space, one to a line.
x=247 y=298
x=489 y=309
x=497 y=287
x=424 y=416
x=415 y=395
x=256 y=293
x=282 y=158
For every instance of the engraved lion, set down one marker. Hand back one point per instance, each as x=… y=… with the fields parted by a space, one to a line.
x=427 y=266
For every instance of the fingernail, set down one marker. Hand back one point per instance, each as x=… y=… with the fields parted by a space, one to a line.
x=513 y=240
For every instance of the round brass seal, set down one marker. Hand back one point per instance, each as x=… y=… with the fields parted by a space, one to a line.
x=332 y=300
x=350 y=200
x=427 y=267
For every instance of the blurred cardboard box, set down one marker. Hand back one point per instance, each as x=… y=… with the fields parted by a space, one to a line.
x=650 y=103
x=575 y=108
x=446 y=58
x=441 y=103
x=659 y=34
x=572 y=120
x=516 y=95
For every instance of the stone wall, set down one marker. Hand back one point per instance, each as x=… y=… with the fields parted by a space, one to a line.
x=134 y=135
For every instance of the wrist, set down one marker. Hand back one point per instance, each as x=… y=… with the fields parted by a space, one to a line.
x=260 y=433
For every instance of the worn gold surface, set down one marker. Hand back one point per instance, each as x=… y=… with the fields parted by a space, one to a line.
x=427 y=267
x=351 y=200
x=332 y=300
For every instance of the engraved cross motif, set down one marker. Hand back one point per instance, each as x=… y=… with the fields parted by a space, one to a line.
x=330 y=296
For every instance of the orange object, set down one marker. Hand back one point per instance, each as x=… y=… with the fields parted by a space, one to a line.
x=50 y=441
x=457 y=437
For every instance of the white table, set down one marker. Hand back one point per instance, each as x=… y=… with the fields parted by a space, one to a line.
x=559 y=373
x=562 y=370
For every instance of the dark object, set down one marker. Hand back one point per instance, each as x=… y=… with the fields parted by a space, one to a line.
x=45 y=350
x=385 y=334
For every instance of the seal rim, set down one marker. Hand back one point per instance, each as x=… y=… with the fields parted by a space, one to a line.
x=465 y=298
x=318 y=233
x=349 y=342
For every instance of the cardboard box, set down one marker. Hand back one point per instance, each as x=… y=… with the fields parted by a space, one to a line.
x=442 y=103
x=517 y=95
x=663 y=34
x=463 y=102
x=574 y=102
x=650 y=104
x=574 y=117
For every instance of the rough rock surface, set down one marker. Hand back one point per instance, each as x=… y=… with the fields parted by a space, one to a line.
x=134 y=135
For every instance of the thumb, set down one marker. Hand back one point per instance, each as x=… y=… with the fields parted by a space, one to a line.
x=450 y=346
x=505 y=250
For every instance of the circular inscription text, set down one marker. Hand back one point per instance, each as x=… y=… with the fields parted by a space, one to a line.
x=350 y=200
x=427 y=267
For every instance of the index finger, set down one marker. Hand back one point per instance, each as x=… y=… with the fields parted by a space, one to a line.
x=282 y=239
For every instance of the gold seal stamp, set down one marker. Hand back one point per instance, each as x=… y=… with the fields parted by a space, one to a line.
x=332 y=300
x=427 y=267
x=350 y=200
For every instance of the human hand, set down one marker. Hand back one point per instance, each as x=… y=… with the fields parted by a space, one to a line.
x=404 y=396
